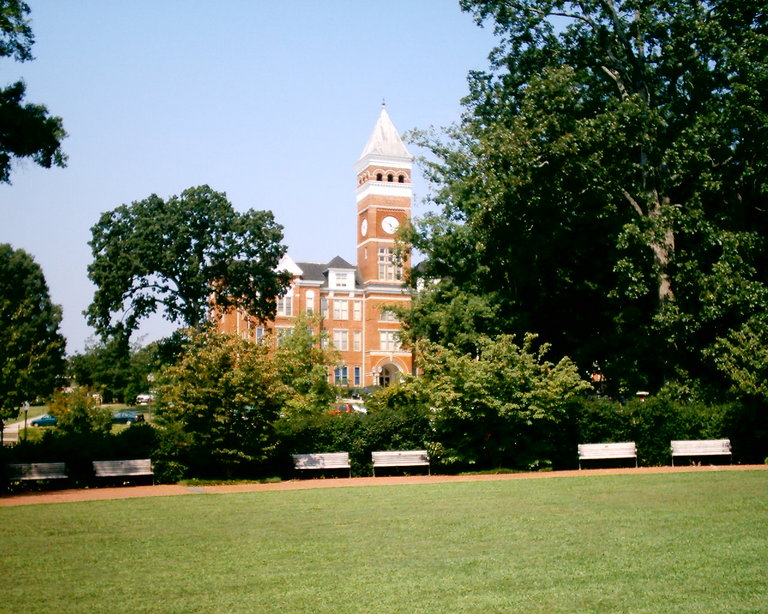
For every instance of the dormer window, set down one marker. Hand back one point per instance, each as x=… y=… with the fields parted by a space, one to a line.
x=341 y=280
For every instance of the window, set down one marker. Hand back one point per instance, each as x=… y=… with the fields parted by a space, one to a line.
x=285 y=304
x=340 y=279
x=310 y=300
x=357 y=310
x=340 y=375
x=400 y=179
x=385 y=315
x=379 y=176
x=389 y=268
x=357 y=376
x=340 y=309
x=390 y=178
x=389 y=341
x=259 y=334
x=341 y=339
x=357 y=341
x=324 y=306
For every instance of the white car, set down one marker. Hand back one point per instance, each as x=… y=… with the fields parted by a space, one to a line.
x=145 y=398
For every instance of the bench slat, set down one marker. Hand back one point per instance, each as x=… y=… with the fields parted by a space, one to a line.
x=400 y=458
x=323 y=460
x=118 y=468
x=701 y=447
x=601 y=451
x=37 y=471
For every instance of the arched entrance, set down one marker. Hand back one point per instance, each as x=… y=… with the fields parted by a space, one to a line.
x=386 y=374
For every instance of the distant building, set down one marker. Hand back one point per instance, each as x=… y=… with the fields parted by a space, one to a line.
x=352 y=298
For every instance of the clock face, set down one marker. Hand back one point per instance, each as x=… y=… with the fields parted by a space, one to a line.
x=390 y=224
x=364 y=227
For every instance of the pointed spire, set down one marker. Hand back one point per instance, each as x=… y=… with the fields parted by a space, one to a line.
x=385 y=140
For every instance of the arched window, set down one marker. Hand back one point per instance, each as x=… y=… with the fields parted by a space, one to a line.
x=400 y=179
x=390 y=178
x=379 y=177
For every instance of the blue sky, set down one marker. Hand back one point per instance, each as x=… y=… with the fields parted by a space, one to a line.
x=270 y=102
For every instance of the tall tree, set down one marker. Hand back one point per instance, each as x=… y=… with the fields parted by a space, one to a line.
x=500 y=407
x=607 y=186
x=26 y=130
x=31 y=347
x=303 y=361
x=183 y=255
x=221 y=399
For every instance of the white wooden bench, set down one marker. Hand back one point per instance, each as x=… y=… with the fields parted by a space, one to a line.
x=123 y=468
x=400 y=458
x=701 y=447
x=37 y=471
x=323 y=460
x=606 y=451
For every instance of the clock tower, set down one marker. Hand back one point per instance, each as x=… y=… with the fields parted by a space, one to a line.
x=384 y=194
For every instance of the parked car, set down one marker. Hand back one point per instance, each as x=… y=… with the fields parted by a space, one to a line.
x=145 y=398
x=45 y=420
x=349 y=407
x=127 y=416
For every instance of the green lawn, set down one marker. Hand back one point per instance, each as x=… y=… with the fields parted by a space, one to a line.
x=695 y=542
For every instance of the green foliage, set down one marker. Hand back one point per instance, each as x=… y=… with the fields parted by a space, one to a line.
x=118 y=371
x=743 y=356
x=79 y=412
x=495 y=408
x=400 y=427
x=653 y=423
x=606 y=186
x=26 y=130
x=180 y=256
x=219 y=403
x=303 y=363
x=31 y=347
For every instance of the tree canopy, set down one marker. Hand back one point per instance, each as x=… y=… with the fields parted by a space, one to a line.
x=607 y=186
x=221 y=399
x=31 y=347
x=183 y=255
x=26 y=130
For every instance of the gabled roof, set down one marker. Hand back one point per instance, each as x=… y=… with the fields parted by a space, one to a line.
x=385 y=140
x=339 y=263
x=318 y=271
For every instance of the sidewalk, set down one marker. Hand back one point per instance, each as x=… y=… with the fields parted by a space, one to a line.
x=165 y=490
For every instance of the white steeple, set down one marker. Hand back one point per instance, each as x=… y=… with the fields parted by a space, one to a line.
x=384 y=144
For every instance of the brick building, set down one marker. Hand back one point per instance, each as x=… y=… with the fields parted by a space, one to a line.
x=351 y=298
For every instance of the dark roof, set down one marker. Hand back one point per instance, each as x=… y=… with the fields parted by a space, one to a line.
x=339 y=263
x=317 y=271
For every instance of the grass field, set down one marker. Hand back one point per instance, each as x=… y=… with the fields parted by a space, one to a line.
x=682 y=543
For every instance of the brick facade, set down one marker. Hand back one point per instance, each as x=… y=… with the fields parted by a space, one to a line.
x=351 y=298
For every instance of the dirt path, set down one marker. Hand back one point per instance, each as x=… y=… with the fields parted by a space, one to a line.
x=165 y=490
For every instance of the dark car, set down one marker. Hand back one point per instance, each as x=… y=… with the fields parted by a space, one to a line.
x=45 y=420
x=127 y=416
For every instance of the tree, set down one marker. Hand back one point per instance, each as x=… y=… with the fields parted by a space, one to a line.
x=119 y=373
x=303 y=362
x=606 y=188
x=31 y=347
x=500 y=407
x=79 y=413
x=221 y=400
x=183 y=256
x=26 y=130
